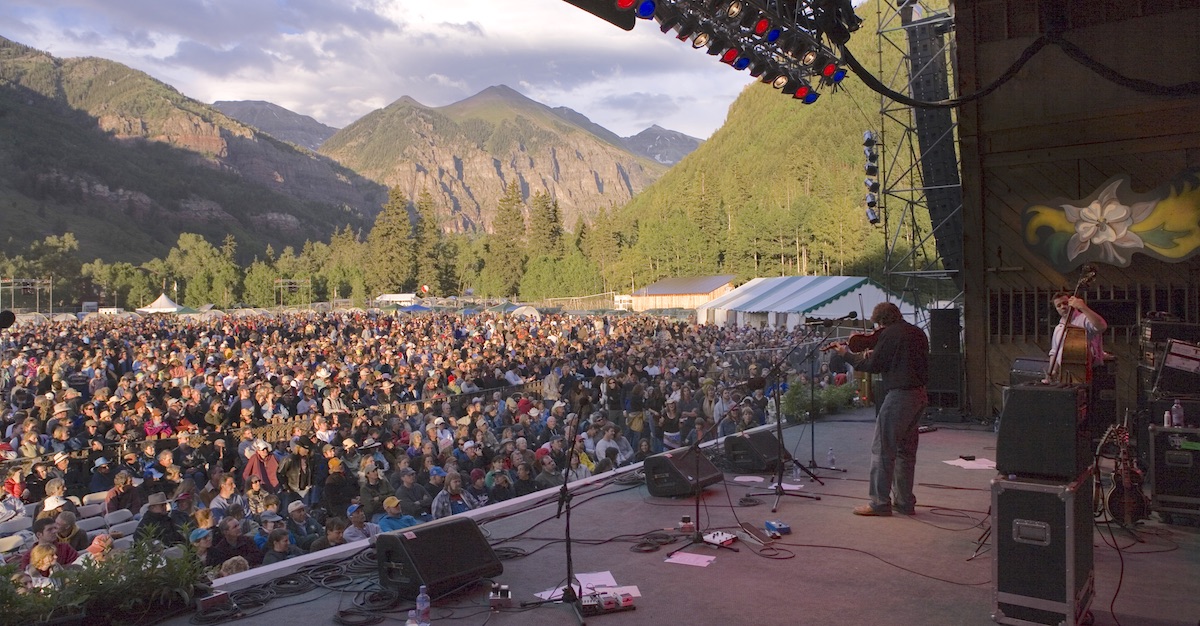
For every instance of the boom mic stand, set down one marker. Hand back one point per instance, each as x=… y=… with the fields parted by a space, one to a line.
x=778 y=491
x=698 y=536
x=569 y=596
x=812 y=407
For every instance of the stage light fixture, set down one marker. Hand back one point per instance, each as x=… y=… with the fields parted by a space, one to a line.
x=732 y=9
x=869 y=138
x=871 y=169
x=701 y=40
x=643 y=9
x=770 y=75
x=872 y=216
x=668 y=18
x=871 y=184
x=717 y=46
x=686 y=28
x=872 y=200
x=871 y=154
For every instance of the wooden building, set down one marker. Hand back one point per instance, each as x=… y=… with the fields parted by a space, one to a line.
x=681 y=293
x=1111 y=93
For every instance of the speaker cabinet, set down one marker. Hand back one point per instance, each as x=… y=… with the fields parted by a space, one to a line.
x=1043 y=567
x=755 y=452
x=1175 y=470
x=945 y=381
x=1044 y=432
x=944 y=331
x=443 y=555
x=676 y=473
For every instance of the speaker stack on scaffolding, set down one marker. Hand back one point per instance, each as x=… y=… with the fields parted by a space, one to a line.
x=1043 y=568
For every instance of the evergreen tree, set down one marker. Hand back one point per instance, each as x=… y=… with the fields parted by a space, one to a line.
x=427 y=245
x=545 y=226
x=505 y=256
x=389 y=261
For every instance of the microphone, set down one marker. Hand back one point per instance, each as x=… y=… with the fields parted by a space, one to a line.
x=830 y=322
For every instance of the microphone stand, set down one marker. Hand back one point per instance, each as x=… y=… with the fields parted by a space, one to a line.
x=698 y=536
x=569 y=596
x=778 y=491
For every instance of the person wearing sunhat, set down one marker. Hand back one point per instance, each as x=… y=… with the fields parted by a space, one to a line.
x=156 y=522
x=102 y=476
x=268 y=522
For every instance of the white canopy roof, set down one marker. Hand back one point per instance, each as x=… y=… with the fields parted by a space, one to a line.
x=162 y=305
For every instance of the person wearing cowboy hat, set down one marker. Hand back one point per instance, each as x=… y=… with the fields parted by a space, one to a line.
x=297 y=470
x=156 y=522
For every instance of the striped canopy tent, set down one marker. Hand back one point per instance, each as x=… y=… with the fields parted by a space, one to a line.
x=788 y=301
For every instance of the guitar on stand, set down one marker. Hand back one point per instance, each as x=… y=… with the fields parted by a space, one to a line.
x=1125 y=502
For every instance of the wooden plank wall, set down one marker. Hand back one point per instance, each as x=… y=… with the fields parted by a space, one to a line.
x=1059 y=130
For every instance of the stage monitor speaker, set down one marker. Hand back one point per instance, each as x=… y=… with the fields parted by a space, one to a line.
x=755 y=451
x=1044 y=432
x=674 y=473
x=443 y=555
x=944 y=331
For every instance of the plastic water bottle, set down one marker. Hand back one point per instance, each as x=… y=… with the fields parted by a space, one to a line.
x=423 y=606
x=412 y=618
x=1177 y=414
x=830 y=460
x=1167 y=420
x=795 y=470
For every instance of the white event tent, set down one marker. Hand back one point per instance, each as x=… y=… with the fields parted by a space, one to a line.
x=788 y=301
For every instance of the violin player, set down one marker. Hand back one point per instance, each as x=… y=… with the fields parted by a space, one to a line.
x=901 y=356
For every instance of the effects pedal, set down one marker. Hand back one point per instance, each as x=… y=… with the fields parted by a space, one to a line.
x=756 y=534
x=777 y=528
x=603 y=602
x=720 y=538
x=501 y=597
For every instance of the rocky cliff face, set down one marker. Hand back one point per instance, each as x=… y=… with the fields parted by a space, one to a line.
x=465 y=154
x=113 y=144
x=278 y=122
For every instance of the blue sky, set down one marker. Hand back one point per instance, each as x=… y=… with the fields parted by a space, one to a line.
x=337 y=60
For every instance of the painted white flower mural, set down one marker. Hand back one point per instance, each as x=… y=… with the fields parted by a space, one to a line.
x=1105 y=224
x=1115 y=222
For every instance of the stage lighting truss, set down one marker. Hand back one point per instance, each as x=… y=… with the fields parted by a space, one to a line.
x=790 y=44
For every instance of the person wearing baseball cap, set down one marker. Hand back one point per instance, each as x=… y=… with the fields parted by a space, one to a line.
x=303 y=527
x=394 y=518
x=359 y=527
x=340 y=488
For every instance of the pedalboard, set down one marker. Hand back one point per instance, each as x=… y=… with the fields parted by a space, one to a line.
x=603 y=602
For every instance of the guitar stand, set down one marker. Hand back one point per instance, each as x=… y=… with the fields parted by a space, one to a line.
x=983 y=538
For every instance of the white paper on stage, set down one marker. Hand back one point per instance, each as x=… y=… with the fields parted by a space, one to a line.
x=987 y=464
x=588 y=581
x=687 y=558
x=748 y=479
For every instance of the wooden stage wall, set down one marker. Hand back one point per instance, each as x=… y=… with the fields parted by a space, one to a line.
x=1059 y=130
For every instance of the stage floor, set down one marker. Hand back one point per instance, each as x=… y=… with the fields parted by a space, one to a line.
x=834 y=568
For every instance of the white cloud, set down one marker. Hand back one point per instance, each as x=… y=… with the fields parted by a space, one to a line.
x=337 y=61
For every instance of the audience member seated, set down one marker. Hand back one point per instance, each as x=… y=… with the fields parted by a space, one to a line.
x=359 y=527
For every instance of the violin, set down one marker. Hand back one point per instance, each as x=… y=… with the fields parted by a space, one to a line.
x=857 y=342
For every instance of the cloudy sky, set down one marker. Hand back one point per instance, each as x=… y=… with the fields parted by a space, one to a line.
x=337 y=60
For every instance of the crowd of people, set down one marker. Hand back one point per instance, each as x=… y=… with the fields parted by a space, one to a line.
x=391 y=421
